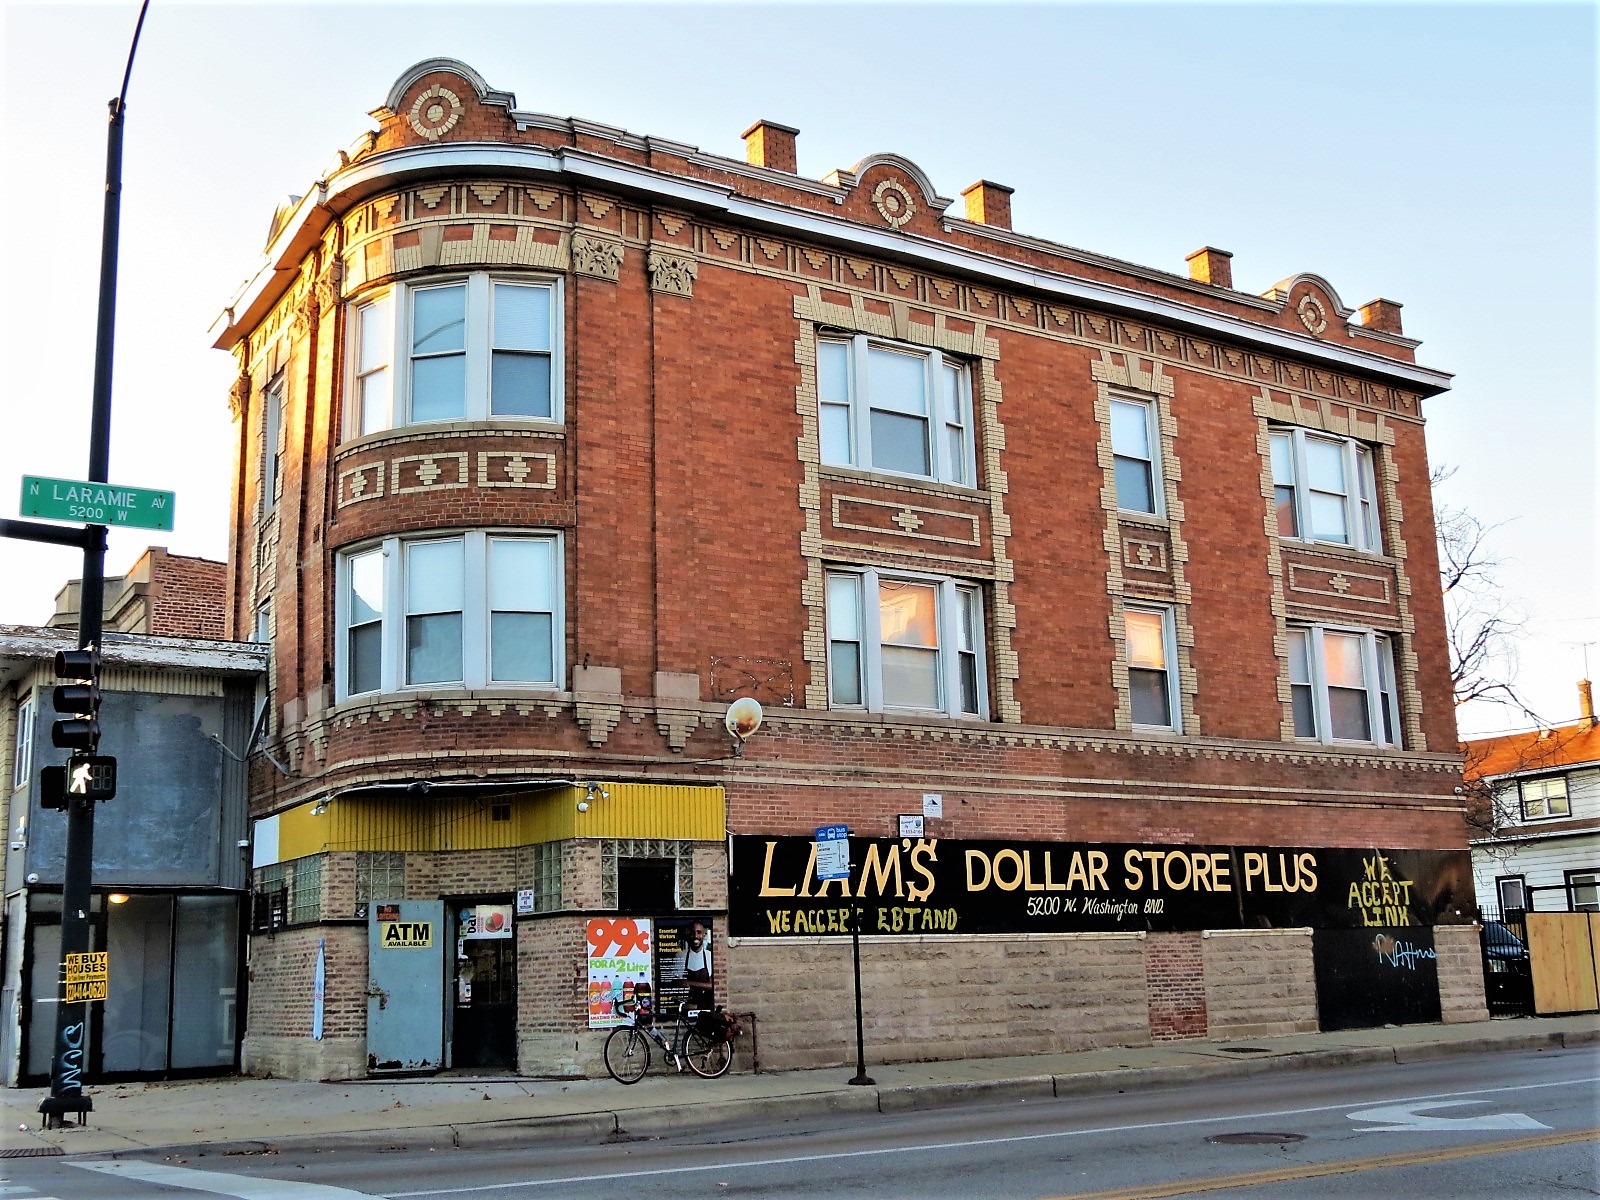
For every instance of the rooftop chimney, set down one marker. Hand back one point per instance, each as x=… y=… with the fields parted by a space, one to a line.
x=768 y=144
x=1586 y=703
x=1380 y=314
x=989 y=203
x=1210 y=265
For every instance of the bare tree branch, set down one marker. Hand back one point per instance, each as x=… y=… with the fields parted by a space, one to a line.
x=1482 y=624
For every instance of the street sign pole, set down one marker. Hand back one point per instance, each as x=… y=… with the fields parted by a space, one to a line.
x=833 y=862
x=70 y=1061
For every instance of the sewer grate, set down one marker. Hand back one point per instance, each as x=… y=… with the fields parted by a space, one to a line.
x=32 y=1152
x=1243 y=1050
x=1256 y=1139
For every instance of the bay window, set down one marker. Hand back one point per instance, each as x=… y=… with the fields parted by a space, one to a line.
x=1341 y=683
x=904 y=643
x=470 y=610
x=479 y=348
x=884 y=406
x=1325 y=489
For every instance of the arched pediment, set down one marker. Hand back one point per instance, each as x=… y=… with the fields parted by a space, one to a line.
x=429 y=66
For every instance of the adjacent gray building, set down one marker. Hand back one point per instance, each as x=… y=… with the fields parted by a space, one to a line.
x=171 y=853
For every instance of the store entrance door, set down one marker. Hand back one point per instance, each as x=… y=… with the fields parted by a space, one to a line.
x=405 y=985
x=484 y=1029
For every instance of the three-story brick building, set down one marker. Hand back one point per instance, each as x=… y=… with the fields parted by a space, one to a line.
x=1097 y=601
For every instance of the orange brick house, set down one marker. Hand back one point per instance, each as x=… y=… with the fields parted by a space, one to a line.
x=1096 y=601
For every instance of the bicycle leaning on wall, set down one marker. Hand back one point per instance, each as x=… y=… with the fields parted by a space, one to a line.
x=702 y=1040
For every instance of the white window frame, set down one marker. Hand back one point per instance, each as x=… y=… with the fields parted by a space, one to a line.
x=271 y=437
x=960 y=632
x=385 y=368
x=1542 y=785
x=1376 y=656
x=1168 y=667
x=949 y=417
x=1503 y=884
x=476 y=614
x=1292 y=489
x=22 y=756
x=1585 y=881
x=1150 y=458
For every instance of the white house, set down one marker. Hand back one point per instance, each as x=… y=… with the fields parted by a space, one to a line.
x=1541 y=793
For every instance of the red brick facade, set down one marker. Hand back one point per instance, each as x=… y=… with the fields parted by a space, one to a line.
x=686 y=475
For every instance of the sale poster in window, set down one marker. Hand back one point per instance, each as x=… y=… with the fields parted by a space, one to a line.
x=619 y=961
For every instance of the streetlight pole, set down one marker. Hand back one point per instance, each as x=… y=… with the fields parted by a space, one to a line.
x=69 y=1062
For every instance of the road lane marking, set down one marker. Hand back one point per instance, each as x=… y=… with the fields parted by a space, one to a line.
x=1349 y=1166
x=924 y=1147
x=240 y=1187
x=1411 y=1118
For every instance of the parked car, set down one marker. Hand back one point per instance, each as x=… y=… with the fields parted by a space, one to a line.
x=1501 y=944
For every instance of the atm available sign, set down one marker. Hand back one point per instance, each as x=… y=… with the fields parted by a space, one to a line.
x=406 y=935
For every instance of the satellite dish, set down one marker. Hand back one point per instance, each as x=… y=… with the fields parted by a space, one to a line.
x=743 y=719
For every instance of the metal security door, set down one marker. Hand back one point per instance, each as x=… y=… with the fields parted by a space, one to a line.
x=405 y=986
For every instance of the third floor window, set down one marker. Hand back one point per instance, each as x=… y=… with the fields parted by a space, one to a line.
x=884 y=406
x=1324 y=489
x=471 y=349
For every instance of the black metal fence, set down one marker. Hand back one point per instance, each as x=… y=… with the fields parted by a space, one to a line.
x=1507 y=977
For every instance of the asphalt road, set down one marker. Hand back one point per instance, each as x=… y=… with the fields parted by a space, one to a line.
x=1521 y=1125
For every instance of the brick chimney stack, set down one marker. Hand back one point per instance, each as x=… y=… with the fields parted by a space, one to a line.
x=1210 y=265
x=1586 y=702
x=989 y=203
x=768 y=144
x=1381 y=314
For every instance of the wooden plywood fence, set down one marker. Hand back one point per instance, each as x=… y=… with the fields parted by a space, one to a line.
x=1562 y=956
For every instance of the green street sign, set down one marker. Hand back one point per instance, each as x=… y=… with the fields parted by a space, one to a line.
x=96 y=503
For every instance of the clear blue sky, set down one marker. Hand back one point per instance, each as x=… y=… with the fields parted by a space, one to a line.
x=1443 y=156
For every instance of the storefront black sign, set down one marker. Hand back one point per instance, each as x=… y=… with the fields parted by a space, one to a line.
x=913 y=886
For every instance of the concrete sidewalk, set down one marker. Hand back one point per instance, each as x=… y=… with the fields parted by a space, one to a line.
x=241 y=1116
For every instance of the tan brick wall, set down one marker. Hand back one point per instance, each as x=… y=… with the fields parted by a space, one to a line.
x=934 y=998
x=1259 y=983
x=1460 y=963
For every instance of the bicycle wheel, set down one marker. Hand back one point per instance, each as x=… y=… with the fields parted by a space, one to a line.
x=709 y=1056
x=627 y=1054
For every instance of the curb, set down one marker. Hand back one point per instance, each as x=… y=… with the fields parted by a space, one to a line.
x=665 y=1119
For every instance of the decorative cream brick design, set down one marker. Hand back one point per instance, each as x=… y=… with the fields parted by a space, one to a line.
x=428 y=473
x=516 y=470
x=361 y=483
x=1377 y=430
x=1125 y=373
x=1342 y=582
x=672 y=272
x=369 y=255
x=812 y=311
x=907 y=520
x=600 y=258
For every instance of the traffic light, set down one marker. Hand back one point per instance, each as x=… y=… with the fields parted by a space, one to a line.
x=92 y=776
x=77 y=704
x=53 y=788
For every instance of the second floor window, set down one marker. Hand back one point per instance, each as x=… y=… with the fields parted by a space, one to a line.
x=474 y=610
x=1324 y=489
x=1543 y=798
x=474 y=349
x=1342 y=684
x=883 y=406
x=905 y=644
x=1151 y=653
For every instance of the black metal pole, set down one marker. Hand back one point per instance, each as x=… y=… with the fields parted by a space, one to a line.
x=861 y=1076
x=70 y=1061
